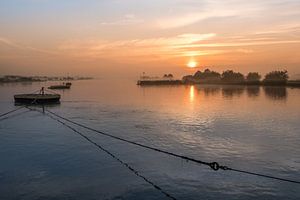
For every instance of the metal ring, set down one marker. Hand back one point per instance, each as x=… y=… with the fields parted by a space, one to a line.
x=215 y=166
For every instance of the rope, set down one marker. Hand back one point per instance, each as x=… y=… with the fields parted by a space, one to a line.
x=213 y=165
x=35 y=91
x=113 y=156
x=4 y=114
x=14 y=115
x=50 y=91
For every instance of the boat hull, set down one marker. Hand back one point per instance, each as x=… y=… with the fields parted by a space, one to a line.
x=37 y=98
x=59 y=87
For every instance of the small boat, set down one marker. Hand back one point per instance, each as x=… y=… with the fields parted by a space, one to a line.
x=39 y=98
x=62 y=86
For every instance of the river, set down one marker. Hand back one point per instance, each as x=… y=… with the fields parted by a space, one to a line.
x=249 y=128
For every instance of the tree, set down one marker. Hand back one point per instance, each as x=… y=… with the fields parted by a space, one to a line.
x=170 y=76
x=277 y=77
x=207 y=76
x=230 y=76
x=253 y=77
x=188 y=79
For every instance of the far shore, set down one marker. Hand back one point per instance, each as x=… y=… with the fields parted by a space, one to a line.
x=291 y=83
x=29 y=79
x=228 y=77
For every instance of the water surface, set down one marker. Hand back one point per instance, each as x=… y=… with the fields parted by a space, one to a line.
x=250 y=128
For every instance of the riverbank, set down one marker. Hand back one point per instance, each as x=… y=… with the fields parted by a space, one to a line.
x=291 y=83
x=16 y=78
x=160 y=82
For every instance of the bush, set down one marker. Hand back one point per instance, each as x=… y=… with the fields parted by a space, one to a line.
x=230 y=76
x=207 y=76
x=253 y=77
x=277 y=77
x=168 y=76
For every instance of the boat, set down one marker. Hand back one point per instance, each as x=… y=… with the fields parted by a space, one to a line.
x=39 y=98
x=62 y=86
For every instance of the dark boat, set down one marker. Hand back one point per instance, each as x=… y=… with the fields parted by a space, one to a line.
x=40 y=98
x=63 y=86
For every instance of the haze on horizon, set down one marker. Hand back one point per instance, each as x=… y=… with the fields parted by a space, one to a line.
x=128 y=37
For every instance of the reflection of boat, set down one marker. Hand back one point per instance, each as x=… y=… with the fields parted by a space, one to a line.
x=63 y=86
x=39 y=98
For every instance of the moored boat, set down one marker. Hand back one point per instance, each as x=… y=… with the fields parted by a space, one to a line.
x=62 y=86
x=39 y=98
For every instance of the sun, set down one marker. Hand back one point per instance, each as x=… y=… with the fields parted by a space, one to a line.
x=192 y=64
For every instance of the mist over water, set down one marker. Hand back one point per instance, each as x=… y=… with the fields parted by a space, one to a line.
x=250 y=128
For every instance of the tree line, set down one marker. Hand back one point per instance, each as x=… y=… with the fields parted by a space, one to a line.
x=232 y=77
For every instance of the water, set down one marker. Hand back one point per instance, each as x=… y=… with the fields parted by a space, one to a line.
x=252 y=128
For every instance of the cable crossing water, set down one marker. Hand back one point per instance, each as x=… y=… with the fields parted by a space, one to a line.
x=155 y=186
x=213 y=165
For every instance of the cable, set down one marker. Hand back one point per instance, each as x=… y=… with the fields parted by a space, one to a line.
x=8 y=117
x=4 y=114
x=213 y=165
x=263 y=175
x=113 y=156
x=50 y=91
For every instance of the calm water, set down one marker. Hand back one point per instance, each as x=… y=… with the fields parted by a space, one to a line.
x=253 y=128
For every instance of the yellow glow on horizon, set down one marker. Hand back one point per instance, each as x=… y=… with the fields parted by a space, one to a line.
x=192 y=64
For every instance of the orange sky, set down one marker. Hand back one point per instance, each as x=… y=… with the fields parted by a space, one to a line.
x=128 y=37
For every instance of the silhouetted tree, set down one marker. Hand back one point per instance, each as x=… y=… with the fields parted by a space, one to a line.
x=253 y=77
x=170 y=76
x=230 y=76
x=189 y=79
x=276 y=77
x=207 y=76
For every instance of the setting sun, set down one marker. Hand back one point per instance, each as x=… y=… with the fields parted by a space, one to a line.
x=192 y=64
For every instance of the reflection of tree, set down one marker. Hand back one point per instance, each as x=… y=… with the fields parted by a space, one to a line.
x=276 y=93
x=210 y=91
x=230 y=92
x=253 y=91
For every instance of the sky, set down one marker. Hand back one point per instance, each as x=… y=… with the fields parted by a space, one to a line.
x=106 y=38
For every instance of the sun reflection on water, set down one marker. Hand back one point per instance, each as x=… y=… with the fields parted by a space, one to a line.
x=192 y=93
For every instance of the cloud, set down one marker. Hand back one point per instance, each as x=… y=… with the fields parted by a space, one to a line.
x=158 y=47
x=190 y=18
x=182 y=45
x=128 y=19
x=236 y=44
x=9 y=43
x=25 y=48
x=198 y=11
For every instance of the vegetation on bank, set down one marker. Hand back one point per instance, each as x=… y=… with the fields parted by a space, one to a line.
x=231 y=77
x=14 y=78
